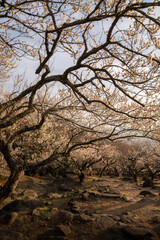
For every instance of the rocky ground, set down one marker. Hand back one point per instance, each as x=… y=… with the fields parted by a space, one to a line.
x=99 y=209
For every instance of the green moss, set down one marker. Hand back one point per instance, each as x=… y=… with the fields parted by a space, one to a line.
x=44 y=213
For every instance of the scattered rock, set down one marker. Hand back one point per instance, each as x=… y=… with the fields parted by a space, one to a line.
x=54 y=210
x=54 y=195
x=104 y=188
x=28 y=193
x=62 y=230
x=90 y=212
x=30 y=181
x=74 y=207
x=61 y=217
x=147 y=193
x=107 y=189
x=141 y=232
x=83 y=217
x=50 y=235
x=95 y=193
x=42 y=212
x=64 y=188
x=103 y=222
x=128 y=232
x=96 y=207
x=11 y=235
x=22 y=205
x=126 y=219
x=112 y=195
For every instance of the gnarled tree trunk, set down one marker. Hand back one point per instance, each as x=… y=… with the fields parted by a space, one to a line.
x=11 y=184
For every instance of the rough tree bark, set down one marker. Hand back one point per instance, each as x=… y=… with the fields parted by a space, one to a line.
x=9 y=187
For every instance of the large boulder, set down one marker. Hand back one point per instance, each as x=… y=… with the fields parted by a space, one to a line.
x=127 y=232
x=22 y=205
x=61 y=217
x=147 y=193
x=62 y=230
x=11 y=235
x=74 y=206
x=82 y=217
x=52 y=235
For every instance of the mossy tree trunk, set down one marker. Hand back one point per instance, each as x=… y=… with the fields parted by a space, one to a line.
x=9 y=187
x=15 y=173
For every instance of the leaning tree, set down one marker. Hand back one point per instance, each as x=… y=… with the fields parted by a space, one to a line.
x=108 y=87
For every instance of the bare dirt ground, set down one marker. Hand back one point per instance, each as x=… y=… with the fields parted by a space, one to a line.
x=100 y=208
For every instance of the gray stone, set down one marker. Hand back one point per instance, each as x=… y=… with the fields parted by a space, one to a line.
x=63 y=187
x=22 y=205
x=61 y=217
x=51 y=235
x=62 y=230
x=54 y=195
x=147 y=193
x=41 y=212
x=30 y=194
x=74 y=207
x=126 y=219
x=11 y=235
x=103 y=195
x=103 y=221
x=126 y=232
x=83 y=217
